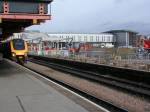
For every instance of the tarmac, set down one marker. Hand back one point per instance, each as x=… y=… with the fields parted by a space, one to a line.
x=22 y=92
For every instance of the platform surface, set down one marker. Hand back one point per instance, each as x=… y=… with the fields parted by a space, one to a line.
x=22 y=92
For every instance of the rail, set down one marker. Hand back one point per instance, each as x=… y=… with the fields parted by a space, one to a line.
x=135 y=82
x=130 y=74
x=103 y=103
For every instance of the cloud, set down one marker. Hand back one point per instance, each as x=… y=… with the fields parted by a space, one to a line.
x=120 y=1
x=88 y=15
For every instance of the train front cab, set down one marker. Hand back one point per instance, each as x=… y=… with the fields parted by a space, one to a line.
x=19 y=50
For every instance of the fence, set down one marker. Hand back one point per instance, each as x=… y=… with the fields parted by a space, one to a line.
x=132 y=60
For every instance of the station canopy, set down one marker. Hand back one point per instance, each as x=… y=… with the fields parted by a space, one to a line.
x=15 y=15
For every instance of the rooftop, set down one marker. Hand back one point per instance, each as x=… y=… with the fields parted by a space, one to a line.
x=114 y=31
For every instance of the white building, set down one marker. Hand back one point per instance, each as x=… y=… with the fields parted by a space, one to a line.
x=102 y=39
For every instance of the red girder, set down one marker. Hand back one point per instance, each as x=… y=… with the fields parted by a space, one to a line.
x=25 y=16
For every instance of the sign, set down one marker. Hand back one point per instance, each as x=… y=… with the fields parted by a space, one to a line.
x=146 y=43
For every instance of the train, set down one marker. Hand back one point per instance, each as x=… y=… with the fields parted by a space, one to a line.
x=15 y=49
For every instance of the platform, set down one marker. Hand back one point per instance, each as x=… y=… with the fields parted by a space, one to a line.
x=22 y=92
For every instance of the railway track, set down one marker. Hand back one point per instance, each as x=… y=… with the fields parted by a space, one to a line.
x=110 y=107
x=115 y=82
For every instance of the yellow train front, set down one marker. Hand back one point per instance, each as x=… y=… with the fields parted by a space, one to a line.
x=16 y=50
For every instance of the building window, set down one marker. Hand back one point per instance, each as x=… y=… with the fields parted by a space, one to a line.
x=91 y=38
x=97 y=38
x=85 y=38
x=102 y=38
x=74 y=38
x=79 y=38
x=108 y=38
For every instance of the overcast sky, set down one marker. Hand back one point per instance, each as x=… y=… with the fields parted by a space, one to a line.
x=94 y=16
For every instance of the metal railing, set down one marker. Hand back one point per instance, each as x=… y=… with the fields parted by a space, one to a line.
x=132 y=60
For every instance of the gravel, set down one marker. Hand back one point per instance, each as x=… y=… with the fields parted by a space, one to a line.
x=131 y=102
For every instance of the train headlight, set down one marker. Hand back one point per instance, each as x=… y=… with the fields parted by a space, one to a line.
x=13 y=54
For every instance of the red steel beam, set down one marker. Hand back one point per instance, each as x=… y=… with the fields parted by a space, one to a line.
x=24 y=16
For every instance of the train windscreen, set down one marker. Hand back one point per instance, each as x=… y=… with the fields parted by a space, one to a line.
x=18 y=44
